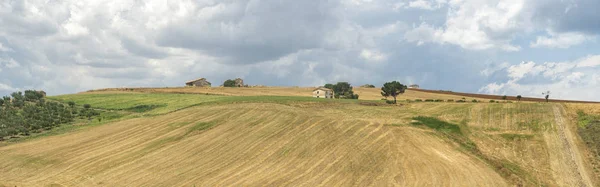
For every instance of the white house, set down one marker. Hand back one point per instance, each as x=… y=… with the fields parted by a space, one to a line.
x=322 y=92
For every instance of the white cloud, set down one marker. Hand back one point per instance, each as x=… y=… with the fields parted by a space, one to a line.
x=475 y=25
x=566 y=80
x=372 y=55
x=560 y=40
x=590 y=61
x=427 y=4
x=4 y=87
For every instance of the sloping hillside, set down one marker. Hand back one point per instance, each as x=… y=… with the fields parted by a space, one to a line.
x=207 y=140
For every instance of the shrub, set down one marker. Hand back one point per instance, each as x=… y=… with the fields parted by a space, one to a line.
x=492 y=101
x=408 y=100
x=418 y=100
x=474 y=100
x=450 y=100
x=229 y=83
x=497 y=101
x=389 y=102
x=439 y=100
x=87 y=106
x=504 y=97
x=428 y=100
x=460 y=101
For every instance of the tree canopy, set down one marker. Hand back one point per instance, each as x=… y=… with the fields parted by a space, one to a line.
x=229 y=83
x=393 y=89
x=342 y=90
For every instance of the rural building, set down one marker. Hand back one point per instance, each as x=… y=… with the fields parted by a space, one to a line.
x=239 y=82
x=201 y=82
x=415 y=86
x=322 y=92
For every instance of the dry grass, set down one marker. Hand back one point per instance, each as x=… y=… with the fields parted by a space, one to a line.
x=364 y=93
x=292 y=141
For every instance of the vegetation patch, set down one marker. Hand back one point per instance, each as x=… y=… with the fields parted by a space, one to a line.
x=144 y=108
x=200 y=126
x=589 y=131
x=513 y=137
x=506 y=169
x=437 y=124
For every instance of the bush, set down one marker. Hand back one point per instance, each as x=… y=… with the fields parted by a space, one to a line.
x=474 y=100
x=492 y=101
x=389 y=102
x=87 y=106
x=408 y=100
x=418 y=100
x=439 y=100
x=450 y=100
x=229 y=83
x=428 y=100
x=460 y=101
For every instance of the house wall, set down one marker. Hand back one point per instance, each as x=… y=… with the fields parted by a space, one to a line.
x=322 y=94
x=200 y=83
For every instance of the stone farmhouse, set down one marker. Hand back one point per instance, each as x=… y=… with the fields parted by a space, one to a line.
x=239 y=82
x=322 y=92
x=201 y=82
x=414 y=86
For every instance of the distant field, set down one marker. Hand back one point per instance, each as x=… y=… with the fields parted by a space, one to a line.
x=364 y=93
x=215 y=140
x=499 y=97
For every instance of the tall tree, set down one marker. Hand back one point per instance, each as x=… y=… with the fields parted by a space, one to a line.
x=393 y=89
x=519 y=97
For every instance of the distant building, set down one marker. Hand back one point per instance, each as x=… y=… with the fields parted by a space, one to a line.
x=322 y=92
x=414 y=86
x=239 y=82
x=201 y=82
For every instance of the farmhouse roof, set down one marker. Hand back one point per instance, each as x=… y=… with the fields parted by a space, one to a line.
x=195 y=80
x=322 y=88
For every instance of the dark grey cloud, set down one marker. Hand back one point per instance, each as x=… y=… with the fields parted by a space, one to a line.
x=256 y=31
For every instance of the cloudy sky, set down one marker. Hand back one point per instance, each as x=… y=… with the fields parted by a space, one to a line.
x=486 y=46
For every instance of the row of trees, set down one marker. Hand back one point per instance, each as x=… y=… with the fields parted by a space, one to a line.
x=23 y=114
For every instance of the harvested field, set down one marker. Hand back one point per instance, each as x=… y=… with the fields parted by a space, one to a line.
x=212 y=140
x=499 y=97
x=364 y=93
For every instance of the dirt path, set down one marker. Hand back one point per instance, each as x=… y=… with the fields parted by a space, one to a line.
x=566 y=161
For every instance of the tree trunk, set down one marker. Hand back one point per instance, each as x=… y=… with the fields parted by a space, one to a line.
x=394 y=99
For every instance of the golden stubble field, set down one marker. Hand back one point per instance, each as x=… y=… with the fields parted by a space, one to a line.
x=364 y=93
x=304 y=143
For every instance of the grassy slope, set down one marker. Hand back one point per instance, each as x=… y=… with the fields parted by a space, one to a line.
x=290 y=140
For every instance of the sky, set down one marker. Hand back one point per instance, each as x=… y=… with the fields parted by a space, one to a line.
x=507 y=47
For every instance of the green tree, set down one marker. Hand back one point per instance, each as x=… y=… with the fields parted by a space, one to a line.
x=504 y=97
x=343 y=90
x=519 y=97
x=17 y=99
x=330 y=86
x=229 y=83
x=393 y=89
x=71 y=104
